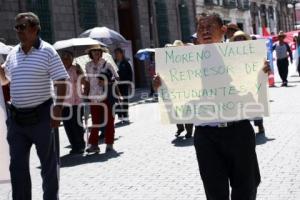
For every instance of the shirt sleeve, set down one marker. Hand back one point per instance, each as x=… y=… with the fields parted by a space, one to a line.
x=112 y=69
x=1 y=59
x=57 y=70
x=6 y=67
x=129 y=71
x=273 y=47
x=87 y=71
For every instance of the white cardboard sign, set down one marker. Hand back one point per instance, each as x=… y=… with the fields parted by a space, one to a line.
x=212 y=83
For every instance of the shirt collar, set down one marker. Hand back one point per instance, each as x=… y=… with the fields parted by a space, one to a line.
x=36 y=45
x=101 y=60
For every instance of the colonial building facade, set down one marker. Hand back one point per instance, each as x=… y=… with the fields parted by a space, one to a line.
x=263 y=15
x=236 y=11
x=252 y=16
x=144 y=22
x=285 y=15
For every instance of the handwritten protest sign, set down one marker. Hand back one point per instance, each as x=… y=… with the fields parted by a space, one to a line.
x=4 y=152
x=212 y=83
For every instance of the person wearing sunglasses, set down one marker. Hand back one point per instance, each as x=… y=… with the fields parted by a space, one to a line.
x=31 y=68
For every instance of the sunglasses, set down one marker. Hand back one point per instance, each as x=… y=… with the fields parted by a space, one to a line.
x=20 y=27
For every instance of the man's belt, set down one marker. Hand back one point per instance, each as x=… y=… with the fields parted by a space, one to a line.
x=224 y=124
x=27 y=116
x=45 y=103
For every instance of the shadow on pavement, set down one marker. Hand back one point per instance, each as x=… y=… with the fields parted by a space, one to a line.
x=262 y=139
x=182 y=142
x=101 y=138
x=291 y=86
x=74 y=160
x=122 y=124
x=143 y=102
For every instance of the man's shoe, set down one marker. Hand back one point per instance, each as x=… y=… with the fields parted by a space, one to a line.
x=93 y=149
x=109 y=148
x=179 y=132
x=125 y=120
x=77 y=151
x=188 y=135
x=261 y=130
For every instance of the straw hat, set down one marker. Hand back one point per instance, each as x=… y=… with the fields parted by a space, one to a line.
x=176 y=43
x=281 y=33
x=96 y=47
x=240 y=33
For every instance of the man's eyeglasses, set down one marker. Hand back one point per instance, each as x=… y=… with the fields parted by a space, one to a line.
x=20 y=27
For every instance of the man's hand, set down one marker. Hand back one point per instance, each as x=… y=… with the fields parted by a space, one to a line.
x=267 y=68
x=156 y=82
x=56 y=115
x=3 y=79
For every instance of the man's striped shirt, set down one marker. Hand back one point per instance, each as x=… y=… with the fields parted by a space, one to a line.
x=31 y=74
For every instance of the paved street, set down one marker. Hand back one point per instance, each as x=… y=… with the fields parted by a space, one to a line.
x=150 y=164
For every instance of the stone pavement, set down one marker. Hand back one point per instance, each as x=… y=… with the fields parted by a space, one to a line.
x=149 y=163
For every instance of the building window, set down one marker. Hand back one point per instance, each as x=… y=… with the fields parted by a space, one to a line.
x=240 y=25
x=271 y=12
x=184 y=22
x=229 y=3
x=212 y=2
x=42 y=9
x=243 y=4
x=87 y=13
x=263 y=15
x=162 y=22
x=225 y=22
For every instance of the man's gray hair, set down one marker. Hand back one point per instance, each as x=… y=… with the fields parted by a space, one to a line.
x=31 y=18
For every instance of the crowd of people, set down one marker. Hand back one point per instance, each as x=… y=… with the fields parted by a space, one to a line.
x=225 y=151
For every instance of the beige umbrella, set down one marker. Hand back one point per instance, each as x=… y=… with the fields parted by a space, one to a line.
x=5 y=49
x=82 y=60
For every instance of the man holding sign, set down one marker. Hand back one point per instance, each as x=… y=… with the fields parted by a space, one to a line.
x=224 y=141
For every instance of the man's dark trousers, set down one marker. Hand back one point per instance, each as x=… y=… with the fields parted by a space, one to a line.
x=188 y=128
x=283 y=69
x=73 y=127
x=227 y=156
x=20 y=139
x=123 y=108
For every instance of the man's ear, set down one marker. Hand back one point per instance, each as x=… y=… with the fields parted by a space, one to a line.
x=224 y=29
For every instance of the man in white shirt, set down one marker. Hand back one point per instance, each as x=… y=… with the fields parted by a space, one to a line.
x=282 y=50
x=30 y=68
x=225 y=151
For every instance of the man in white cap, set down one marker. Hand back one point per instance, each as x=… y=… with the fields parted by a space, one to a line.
x=282 y=50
